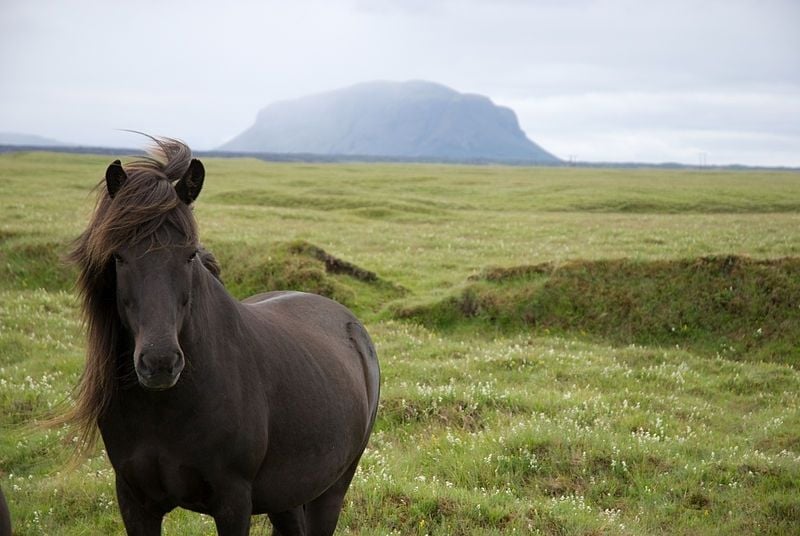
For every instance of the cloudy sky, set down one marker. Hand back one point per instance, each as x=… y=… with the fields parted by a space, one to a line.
x=595 y=80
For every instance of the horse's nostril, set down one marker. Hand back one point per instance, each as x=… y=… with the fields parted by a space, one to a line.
x=156 y=363
x=177 y=363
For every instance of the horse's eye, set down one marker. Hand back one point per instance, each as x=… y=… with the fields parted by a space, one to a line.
x=193 y=256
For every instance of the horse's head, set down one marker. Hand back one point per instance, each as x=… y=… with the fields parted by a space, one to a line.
x=154 y=276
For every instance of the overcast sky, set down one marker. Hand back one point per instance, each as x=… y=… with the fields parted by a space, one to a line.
x=604 y=80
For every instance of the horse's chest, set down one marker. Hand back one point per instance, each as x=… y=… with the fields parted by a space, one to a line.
x=165 y=480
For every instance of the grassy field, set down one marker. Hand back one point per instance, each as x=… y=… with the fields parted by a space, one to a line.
x=564 y=351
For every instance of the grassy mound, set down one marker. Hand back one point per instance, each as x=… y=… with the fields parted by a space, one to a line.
x=731 y=306
x=30 y=264
x=299 y=265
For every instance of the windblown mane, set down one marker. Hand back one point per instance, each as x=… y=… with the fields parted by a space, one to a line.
x=146 y=202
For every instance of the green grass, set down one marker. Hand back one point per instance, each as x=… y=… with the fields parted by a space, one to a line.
x=564 y=351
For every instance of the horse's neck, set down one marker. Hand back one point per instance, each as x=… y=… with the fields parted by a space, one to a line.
x=215 y=313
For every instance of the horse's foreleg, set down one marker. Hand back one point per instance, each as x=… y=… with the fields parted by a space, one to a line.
x=139 y=519
x=289 y=523
x=232 y=514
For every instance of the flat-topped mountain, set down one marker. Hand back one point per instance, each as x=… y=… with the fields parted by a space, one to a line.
x=391 y=119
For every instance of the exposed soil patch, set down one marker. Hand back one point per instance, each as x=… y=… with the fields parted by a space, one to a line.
x=333 y=264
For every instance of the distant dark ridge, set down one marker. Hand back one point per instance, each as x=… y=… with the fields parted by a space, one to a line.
x=334 y=159
x=337 y=158
x=729 y=306
x=73 y=149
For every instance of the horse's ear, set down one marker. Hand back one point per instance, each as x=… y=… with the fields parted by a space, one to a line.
x=115 y=176
x=188 y=188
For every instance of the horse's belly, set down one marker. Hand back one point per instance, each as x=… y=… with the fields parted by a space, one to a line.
x=272 y=495
x=288 y=481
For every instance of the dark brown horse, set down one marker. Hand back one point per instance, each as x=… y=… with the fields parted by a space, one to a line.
x=5 y=517
x=203 y=402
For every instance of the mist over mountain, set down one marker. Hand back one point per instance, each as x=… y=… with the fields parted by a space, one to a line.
x=29 y=140
x=414 y=119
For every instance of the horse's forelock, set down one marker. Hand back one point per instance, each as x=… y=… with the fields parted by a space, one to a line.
x=144 y=204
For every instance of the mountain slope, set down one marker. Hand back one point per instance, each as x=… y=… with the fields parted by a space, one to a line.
x=29 y=140
x=391 y=119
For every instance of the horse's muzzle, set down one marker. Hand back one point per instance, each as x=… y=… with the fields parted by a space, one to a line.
x=159 y=371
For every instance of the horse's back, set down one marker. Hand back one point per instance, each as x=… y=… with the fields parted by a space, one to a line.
x=261 y=298
x=302 y=312
x=294 y=303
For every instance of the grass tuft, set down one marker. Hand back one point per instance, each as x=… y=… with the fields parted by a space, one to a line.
x=36 y=264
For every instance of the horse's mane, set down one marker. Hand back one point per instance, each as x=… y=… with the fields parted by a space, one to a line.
x=145 y=203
